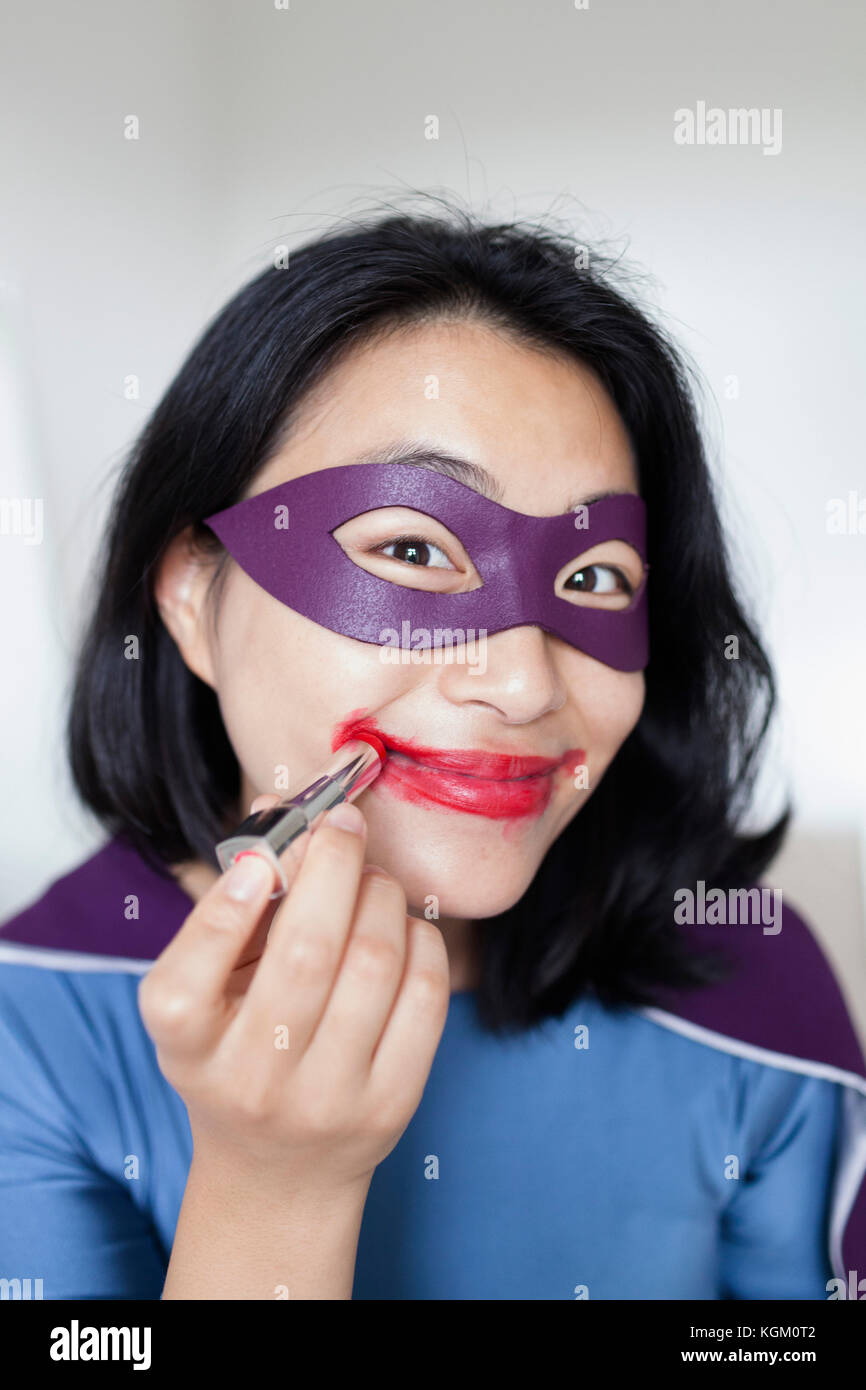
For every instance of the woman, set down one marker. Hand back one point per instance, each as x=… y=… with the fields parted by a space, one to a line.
x=472 y=1053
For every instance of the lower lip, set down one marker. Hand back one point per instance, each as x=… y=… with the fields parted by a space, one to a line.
x=479 y=796
x=496 y=798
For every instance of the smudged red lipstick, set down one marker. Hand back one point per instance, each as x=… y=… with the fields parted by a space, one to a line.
x=497 y=785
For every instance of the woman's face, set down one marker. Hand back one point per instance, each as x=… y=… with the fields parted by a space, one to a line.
x=547 y=432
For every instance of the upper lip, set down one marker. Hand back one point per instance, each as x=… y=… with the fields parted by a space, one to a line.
x=472 y=762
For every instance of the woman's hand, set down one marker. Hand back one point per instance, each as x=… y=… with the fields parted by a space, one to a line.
x=300 y=1036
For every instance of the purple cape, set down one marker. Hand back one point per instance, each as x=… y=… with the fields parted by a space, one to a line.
x=782 y=1006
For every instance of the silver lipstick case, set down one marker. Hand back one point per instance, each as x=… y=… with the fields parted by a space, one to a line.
x=346 y=774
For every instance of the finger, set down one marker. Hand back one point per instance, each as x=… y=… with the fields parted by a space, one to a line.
x=404 y=1055
x=366 y=987
x=187 y=1000
x=183 y=996
x=306 y=939
x=290 y=861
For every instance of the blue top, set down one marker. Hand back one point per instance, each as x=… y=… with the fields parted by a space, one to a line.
x=644 y=1165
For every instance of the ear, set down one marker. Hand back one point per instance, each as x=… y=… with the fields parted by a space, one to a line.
x=181 y=584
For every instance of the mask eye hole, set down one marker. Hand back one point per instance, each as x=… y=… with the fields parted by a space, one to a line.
x=607 y=576
x=408 y=548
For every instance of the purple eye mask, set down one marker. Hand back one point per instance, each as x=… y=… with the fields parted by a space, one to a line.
x=282 y=539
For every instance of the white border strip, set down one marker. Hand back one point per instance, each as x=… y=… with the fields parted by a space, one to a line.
x=50 y=959
x=750 y=1051
x=849 y=1174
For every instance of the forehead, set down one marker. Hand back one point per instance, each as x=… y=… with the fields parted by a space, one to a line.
x=543 y=427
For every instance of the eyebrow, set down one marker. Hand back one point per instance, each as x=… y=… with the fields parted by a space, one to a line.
x=461 y=469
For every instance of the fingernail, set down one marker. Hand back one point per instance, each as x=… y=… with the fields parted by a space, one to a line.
x=248 y=876
x=345 y=816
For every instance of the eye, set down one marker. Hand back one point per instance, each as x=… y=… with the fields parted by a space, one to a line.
x=587 y=581
x=606 y=576
x=408 y=548
x=416 y=551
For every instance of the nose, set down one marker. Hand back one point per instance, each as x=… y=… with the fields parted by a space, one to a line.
x=513 y=672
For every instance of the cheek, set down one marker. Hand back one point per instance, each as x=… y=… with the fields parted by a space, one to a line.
x=284 y=683
x=608 y=705
x=616 y=710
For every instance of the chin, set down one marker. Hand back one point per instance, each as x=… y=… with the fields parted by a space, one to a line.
x=473 y=866
x=473 y=907
x=458 y=892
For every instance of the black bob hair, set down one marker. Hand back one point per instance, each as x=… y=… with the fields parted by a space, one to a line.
x=149 y=753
